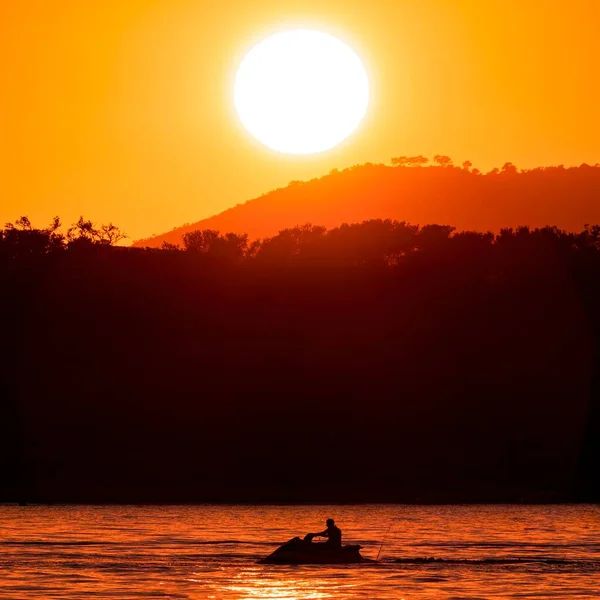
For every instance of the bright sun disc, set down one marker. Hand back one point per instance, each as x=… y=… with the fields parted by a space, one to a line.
x=301 y=92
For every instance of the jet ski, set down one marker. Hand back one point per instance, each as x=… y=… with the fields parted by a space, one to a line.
x=304 y=552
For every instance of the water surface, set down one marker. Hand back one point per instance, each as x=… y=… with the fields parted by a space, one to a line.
x=211 y=552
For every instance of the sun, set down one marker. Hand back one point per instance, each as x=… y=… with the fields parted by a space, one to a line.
x=301 y=91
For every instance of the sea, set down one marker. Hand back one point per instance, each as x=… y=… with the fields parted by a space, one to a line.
x=212 y=552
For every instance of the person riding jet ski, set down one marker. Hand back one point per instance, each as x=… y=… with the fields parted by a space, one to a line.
x=333 y=534
x=303 y=552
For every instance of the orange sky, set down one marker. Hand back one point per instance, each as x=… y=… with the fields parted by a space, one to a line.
x=123 y=110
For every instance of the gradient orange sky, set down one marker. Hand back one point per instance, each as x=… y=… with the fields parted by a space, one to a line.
x=123 y=110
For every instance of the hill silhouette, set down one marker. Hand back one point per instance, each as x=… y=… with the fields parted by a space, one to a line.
x=408 y=191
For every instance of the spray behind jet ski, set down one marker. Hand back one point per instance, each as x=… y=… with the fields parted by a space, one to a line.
x=385 y=537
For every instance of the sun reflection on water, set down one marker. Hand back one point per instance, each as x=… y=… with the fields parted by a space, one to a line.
x=252 y=584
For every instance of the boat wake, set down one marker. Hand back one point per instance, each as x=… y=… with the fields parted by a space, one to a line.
x=527 y=560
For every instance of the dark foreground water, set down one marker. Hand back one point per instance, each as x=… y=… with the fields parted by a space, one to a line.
x=212 y=552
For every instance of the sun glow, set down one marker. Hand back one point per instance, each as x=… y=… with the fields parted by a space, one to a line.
x=301 y=91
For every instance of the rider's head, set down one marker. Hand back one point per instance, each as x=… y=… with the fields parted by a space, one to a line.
x=330 y=522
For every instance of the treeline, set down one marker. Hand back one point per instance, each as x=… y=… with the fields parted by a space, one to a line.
x=376 y=242
x=373 y=361
x=508 y=168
